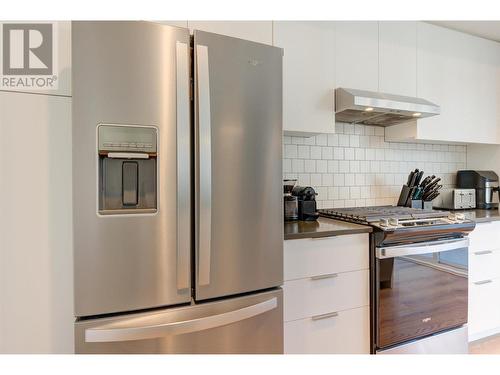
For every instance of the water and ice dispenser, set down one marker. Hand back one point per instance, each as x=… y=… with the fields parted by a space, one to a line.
x=127 y=169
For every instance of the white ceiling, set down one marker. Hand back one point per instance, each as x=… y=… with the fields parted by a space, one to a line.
x=484 y=29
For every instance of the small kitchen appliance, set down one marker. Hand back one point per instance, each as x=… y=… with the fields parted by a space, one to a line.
x=485 y=183
x=290 y=202
x=307 y=202
x=456 y=199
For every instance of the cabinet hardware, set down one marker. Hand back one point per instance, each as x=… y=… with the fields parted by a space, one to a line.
x=483 y=282
x=325 y=316
x=326 y=276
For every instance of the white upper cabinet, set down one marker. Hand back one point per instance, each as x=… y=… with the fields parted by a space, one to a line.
x=356 y=55
x=398 y=57
x=256 y=31
x=308 y=76
x=458 y=72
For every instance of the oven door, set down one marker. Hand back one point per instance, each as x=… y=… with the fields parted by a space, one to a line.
x=421 y=289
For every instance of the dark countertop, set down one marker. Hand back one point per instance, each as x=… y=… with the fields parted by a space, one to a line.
x=323 y=227
x=482 y=216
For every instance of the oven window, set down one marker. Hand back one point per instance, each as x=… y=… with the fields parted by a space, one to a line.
x=419 y=295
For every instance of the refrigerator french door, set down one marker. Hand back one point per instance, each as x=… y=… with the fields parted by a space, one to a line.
x=178 y=234
x=238 y=109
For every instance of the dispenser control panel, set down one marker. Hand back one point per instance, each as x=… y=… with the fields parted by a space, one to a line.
x=127 y=138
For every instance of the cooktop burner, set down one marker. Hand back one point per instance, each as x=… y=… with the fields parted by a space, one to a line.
x=368 y=215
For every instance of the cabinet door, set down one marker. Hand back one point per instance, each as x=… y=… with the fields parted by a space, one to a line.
x=308 y=76
x=255 y=31
x=398 y=57
x=484 y=309
x=356 y=55
x=458 y=72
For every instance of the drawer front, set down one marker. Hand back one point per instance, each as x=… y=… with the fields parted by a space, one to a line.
x=311 y=257
x=484 y=264
x=314 y=296
x=346 y=333
x=484 y=306
x=486 y=236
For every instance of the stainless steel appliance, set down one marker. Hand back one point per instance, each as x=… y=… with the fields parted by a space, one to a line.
x=456 y=199
x=290 y=202
x=379 y=109
x=486 y=185
x=418 y=273
x=171 y=135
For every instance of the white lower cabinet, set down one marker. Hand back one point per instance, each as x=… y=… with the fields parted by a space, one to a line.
x=326 y=295
x=484 y=281
x=315 y=296
x=484 y=308
x=346 y=333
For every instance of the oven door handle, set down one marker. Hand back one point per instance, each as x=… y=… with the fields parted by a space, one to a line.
x=422 y=248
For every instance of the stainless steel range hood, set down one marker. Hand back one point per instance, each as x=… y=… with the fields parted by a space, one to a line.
x=376 y=108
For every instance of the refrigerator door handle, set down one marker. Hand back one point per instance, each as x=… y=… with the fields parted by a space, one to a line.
x=133 y=330
x=205 y=165
x=183 y=166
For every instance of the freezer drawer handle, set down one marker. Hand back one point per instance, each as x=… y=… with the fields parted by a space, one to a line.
x=124 y=331
x=204 y=165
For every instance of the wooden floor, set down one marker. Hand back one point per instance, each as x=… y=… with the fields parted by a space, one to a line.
x=490 y=345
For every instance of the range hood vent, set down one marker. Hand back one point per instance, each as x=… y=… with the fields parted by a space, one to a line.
x=376 y=108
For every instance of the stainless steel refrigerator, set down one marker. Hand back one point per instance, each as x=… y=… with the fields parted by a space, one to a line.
x=177 y=192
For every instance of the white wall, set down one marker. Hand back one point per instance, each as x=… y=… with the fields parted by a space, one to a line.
x=356 y=167
x=484 y=157
x=36 y=252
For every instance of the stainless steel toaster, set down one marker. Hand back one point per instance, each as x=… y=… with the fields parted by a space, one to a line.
x=456 y=199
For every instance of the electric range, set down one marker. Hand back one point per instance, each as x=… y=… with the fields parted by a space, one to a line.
x=418 y=277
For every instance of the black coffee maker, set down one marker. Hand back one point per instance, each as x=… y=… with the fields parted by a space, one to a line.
x=306 y=197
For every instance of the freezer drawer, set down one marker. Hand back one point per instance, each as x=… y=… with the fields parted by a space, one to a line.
x=249 y=324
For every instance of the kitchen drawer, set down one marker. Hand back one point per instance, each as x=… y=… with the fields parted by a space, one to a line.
x=484 y=307
x=346 y=333
x=319 y=256
x=486 y=236
x=484 y=264
x=314 y=296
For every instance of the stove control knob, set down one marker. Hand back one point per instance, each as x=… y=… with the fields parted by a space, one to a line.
x=384 y=222
x=452 y=216
x=460 y=216
x=394 y=221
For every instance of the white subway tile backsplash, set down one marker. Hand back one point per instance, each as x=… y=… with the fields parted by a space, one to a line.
x=321 y=166
x=290 y=151
x=343 y=140
x=322 y=140
x=310 y=166
x=344 y=166
x=303 y=152
x=327 y=153
x=315 y=152
x=297 y=165
x=356 y=167
x=349 y=153
x=333 y=166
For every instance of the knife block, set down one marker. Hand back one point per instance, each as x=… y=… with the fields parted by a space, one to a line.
x=404 y=196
